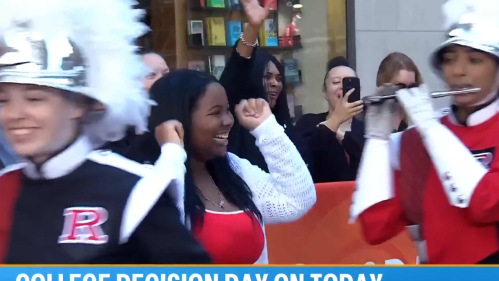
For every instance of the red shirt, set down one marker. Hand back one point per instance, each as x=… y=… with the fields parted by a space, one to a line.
x=453 y=235
x=231 y=238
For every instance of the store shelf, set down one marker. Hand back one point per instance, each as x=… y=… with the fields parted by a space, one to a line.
x=211 y=9
x=229 y=48
x=222 y=10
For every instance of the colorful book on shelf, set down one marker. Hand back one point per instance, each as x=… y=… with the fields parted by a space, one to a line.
x=198 y=65
x=215 y=29
x=197 y=3
x=234 y=29
x=234 y=4
x=273 y=4
x=216 y=3
x=291 y=71
x=262 y=37
x=268 y=33
x=196 y=32
x=217 y=65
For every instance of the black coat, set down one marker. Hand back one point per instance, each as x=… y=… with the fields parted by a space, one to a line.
x=329 y=156
x=140 y=148
x=242 y=79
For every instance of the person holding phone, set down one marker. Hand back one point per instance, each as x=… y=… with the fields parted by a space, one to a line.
x=335 y=138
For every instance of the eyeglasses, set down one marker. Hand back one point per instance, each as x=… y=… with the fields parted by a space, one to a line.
x=405 y=86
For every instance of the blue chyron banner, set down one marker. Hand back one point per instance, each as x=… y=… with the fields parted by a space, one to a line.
x=247 y=273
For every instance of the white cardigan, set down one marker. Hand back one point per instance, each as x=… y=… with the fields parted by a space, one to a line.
x=283 y=195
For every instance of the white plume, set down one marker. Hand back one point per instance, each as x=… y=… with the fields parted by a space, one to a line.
x=104 y=31
x=487 y=10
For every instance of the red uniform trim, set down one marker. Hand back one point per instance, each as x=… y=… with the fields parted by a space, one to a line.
x=10 y=184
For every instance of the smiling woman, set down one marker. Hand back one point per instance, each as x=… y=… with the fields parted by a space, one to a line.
x=257 y=77
x=49 y=123
x=211 y=123
x=225 y=195
x=335 y=138
x=56 y=123
x=254 y=73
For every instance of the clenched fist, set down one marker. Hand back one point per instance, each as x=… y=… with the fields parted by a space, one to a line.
x=252 y=113
x=379 y=116
x=418 y=106
x=170 y=132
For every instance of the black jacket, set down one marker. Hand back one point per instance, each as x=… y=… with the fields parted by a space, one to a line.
x=242 y=79
x=139 y=148
x=329 y=156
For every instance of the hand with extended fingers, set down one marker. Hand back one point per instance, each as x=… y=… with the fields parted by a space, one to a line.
x=343 y=112
x=255 y=13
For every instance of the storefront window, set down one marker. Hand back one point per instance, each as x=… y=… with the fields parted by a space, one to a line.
x=303 y=35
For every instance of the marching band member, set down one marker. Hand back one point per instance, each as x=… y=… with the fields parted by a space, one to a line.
x=429 y=175
x=69 y=81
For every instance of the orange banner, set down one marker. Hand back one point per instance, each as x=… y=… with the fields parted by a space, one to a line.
x=324 y=236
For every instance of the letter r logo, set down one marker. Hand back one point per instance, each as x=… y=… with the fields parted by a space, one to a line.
x=83 y=225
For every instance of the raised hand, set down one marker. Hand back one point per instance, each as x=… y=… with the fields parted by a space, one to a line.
x=418 y=106
x=252 y=113
x=343 y=112
x=379 y=116
x=255 y=13
x=170 y=132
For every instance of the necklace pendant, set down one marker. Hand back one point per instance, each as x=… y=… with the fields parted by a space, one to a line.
x=222 y=205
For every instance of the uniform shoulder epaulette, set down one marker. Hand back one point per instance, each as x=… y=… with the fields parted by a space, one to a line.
x=109 y=158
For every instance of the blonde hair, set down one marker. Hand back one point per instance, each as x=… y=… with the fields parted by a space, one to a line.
x=392 y=64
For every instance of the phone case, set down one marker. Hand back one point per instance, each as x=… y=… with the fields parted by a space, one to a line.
x=352 y=83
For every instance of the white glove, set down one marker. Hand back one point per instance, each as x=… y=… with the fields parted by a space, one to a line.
x=417 y=104
x=458 y=170
x=379 y=116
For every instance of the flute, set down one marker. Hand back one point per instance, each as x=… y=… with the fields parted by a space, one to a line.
x=435 y=95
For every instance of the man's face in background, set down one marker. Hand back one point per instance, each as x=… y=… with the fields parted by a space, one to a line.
x=158 y=68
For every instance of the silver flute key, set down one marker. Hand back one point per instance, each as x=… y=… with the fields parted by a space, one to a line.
x=435 y=95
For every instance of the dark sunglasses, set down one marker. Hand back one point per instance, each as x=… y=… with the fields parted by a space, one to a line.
x=404 y=86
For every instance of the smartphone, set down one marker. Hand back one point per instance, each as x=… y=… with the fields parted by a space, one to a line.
x=351 y=83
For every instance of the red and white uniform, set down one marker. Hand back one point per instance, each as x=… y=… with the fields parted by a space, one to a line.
x=454 y=201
